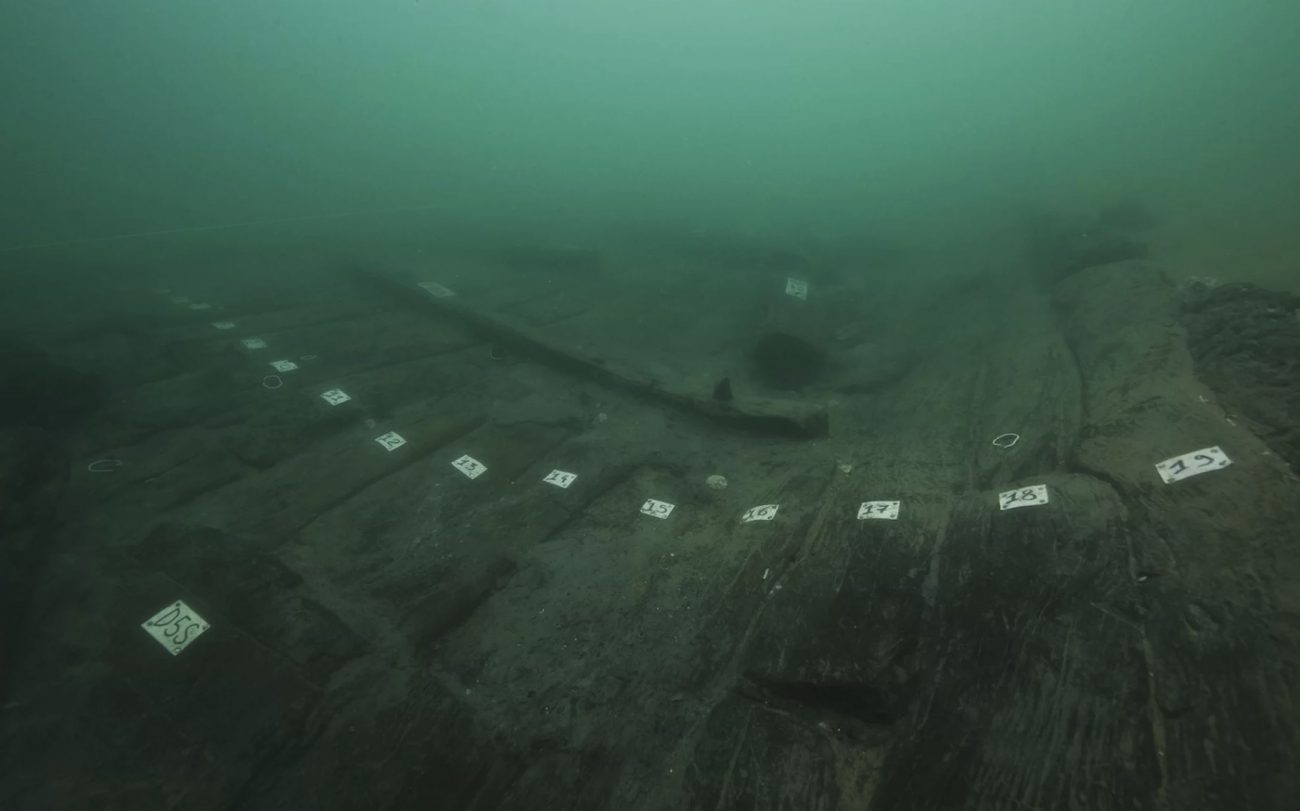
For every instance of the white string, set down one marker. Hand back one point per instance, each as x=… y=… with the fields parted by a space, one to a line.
x=218 y=227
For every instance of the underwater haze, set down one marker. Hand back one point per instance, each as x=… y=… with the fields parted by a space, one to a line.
x=649 y=404
x=937 y=123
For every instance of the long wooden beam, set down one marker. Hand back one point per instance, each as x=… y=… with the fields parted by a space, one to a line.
x=767 y=415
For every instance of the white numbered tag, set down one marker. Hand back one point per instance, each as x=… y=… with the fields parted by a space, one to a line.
x=437 y=290
x=470 y=466
x=796 y=287
x=200 y=306
x=1023 y=497
x=175 y=627
x=253 y=343
x=283 y=365
x=887 y=510
x=1192 y=464
x=560 y=478
x=390 y=441
x=224 y=324
x=656 y=509
x=763 y=512
x=335 y=396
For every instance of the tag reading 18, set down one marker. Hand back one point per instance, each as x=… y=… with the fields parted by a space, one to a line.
x=1031 y=496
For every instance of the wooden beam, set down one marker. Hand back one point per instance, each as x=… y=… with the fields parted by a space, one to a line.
x=766 y=415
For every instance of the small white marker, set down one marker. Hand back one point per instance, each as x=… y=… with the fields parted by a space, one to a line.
x=201 y=306
x=763 y=512
x=886 y=510
x=470 y=466
x=253 y=343
x=390 y=441
x=335 y=397
x=797 y=288
x=283 y=365
x=656 y=508
x=223 y=325
x=175 y=627
x=1031 y=496
x=560 y=478
x=1177 y=468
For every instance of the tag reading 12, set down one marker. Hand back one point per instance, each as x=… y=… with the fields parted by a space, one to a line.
x=1031 y=496
x=390 y=441
x=796 y=288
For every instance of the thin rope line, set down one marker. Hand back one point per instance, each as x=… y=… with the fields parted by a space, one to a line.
x=219 y=227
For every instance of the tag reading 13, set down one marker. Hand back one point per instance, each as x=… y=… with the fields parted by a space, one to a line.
x=470 y=466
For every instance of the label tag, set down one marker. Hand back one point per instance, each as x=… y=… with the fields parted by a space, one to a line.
x=283 y=365
x=1192 y=464
x=201 y=306
x=763 y=512
x=560 y=478
x=175 y=627
x=180 y=300
x=657 y=509
x=390 y=441
x=224 y=324
x=887 y=510
x=437 y=290
x=1023 y=497
x=335 y=396
x=798 y=288
x=470 y=466
x=253 y=343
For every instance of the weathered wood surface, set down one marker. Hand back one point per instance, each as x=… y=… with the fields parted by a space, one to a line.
x=387 y=633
